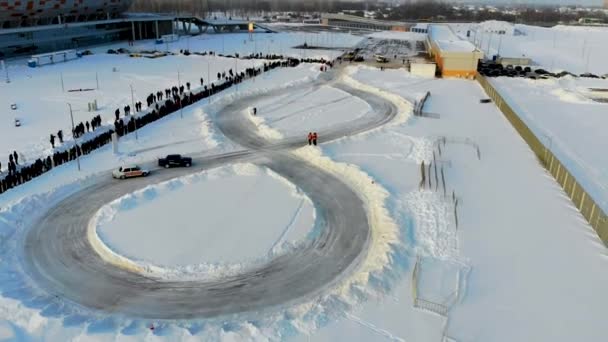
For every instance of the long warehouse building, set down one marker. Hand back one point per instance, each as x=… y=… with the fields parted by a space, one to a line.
x=17 y=13
x=455 y=57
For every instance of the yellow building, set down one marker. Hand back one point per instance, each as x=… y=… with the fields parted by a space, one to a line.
x=455 y=57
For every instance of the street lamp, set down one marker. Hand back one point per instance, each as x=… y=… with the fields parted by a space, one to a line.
x=74 y=136
x=181 y=107
x=133 y=103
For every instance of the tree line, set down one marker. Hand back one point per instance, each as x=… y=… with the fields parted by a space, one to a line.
x=435 y=10
x=243 y=8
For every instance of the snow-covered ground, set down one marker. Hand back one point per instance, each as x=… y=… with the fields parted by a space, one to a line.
x=576 y=49
x=42 y=94
x=303 y=110
x=281 y=43
x=194 y=225
x=569 y=122
x=514 y=226
x=43 y=106
x=512 y=261
x=172 y=134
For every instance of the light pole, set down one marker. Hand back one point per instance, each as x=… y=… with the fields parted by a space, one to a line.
x=75 y=139
x=133 y=103
x=208 y=80
x=499 y=44
x=236 y=73
x=8 y=80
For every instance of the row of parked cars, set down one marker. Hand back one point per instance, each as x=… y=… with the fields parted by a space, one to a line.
x=134 y=171
x=491 y=69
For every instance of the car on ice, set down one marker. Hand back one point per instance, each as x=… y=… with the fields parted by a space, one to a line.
x=13 y=106
x=129 y=171
x=17 y=122
x=175 y=160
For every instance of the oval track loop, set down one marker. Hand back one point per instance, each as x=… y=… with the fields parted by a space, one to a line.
x=60 y=259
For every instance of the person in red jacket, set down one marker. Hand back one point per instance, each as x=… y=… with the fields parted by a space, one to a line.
x=314 y=138
x=309 y=138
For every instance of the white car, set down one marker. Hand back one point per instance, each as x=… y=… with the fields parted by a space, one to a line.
x=129 y=171
x=14 y=106
x=17 y=122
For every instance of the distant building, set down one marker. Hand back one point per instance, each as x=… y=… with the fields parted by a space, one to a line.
x=355 y=22
x=36 y=27
x=454 y=57
x=420 y=28
x=18 y=13
x=606 y=4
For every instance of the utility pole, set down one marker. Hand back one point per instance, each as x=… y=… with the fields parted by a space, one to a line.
x=62 y=85
x=133 y=118
x=75 y=139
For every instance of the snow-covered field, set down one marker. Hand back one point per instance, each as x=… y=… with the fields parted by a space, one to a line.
x=499 y=246
x=281 y=43
x=194 y=225
x=514 y=226
x=571 y=124
x=575 y=49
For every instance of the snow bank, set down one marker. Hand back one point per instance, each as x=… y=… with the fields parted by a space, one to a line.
x=263 y=129
x=384 y=231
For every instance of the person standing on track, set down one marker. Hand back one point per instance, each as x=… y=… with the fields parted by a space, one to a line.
x=310 y=137
x=314 y=138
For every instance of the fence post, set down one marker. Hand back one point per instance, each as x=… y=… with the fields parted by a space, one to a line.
x=581 y=206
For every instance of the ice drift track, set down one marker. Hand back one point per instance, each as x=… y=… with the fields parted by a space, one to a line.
x=60 y=259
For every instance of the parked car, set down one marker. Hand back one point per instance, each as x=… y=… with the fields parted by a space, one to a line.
x=380 y=59
x=17 y=122
x=175 y=160
x=589 y=75
x=129 y=171
x=13 y=106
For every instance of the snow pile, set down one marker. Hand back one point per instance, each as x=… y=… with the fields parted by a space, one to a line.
x=384 y=232
x=263 y=129
x=274 y=215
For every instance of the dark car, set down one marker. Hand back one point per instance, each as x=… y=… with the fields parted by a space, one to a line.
x=175 y=160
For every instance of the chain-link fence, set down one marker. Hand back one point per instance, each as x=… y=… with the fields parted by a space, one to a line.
x=581 y=199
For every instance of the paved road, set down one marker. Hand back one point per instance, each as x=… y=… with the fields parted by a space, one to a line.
x=61 y=260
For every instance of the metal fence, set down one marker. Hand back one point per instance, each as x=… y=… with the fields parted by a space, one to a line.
x=586 y=205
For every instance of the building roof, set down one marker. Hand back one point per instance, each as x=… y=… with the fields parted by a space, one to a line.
x=447 y=40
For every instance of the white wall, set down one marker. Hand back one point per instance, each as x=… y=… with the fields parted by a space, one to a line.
x=423 y=69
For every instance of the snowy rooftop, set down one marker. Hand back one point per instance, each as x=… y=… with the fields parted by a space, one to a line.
x=447 y=40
